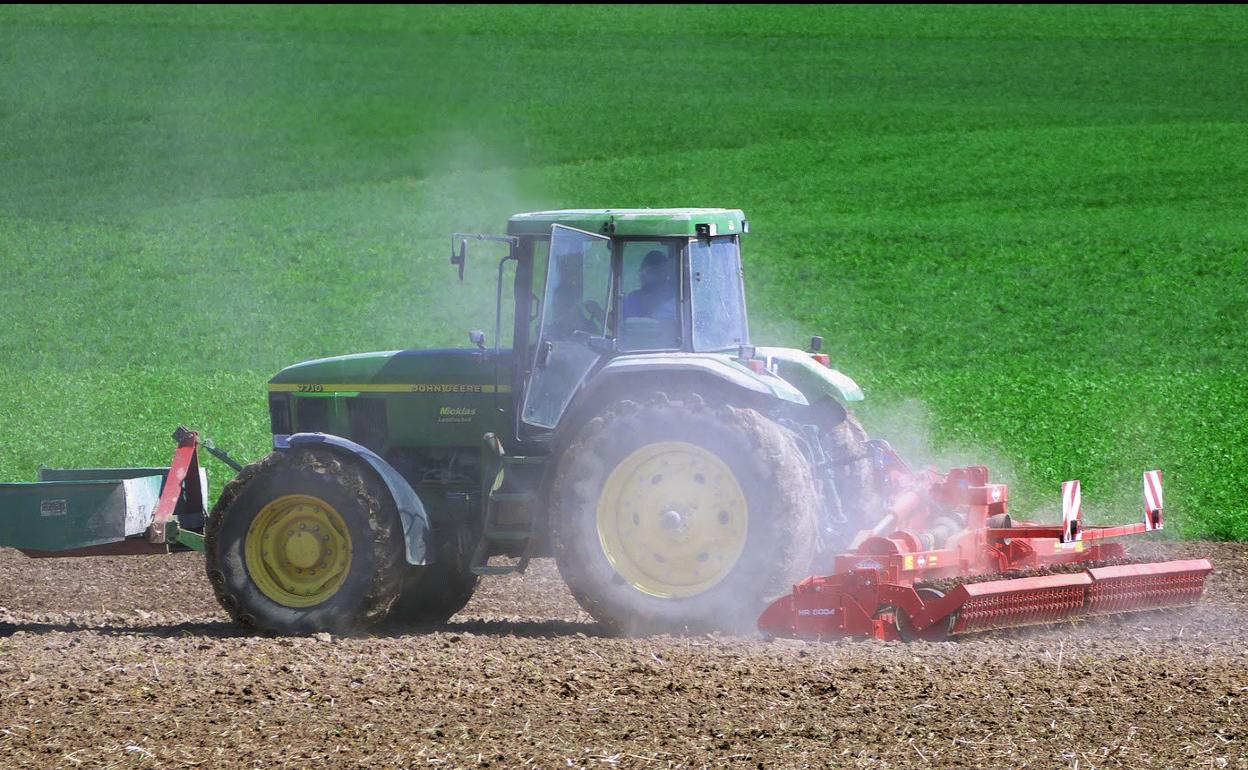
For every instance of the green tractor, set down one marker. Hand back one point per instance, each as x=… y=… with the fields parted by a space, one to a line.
x=620 y=420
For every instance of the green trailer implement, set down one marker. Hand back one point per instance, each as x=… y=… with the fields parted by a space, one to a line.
x=107 y=511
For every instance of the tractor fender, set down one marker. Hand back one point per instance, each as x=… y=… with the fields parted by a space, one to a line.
x=711 y=375
x=720 y=368
x=416 y=532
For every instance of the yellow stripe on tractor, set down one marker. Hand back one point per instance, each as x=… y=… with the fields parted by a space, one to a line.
x=403 y=387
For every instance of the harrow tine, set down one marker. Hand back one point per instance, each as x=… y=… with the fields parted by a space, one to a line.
x=1158 y=585
x=1016 y=602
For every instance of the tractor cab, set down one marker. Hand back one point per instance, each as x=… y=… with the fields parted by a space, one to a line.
x=591 y=285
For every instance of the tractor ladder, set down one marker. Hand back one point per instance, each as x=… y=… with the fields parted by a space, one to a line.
x=510 y=493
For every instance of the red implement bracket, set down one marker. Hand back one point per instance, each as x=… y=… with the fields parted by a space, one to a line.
x=183 y=478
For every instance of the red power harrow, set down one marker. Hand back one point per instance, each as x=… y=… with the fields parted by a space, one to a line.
x=947 y=559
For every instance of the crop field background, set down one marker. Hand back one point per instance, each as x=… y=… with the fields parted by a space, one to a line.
x=1022 y=230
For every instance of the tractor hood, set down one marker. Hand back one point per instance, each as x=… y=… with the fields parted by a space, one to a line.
x=414 y=371
x=396 y=398
x=810 y=376
x=361 y=368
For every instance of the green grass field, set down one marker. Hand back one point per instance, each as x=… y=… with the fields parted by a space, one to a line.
x=1022 y=230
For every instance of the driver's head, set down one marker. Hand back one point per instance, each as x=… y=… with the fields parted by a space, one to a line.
x=655 y=269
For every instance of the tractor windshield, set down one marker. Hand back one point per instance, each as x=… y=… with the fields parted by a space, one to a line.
x=715 y=290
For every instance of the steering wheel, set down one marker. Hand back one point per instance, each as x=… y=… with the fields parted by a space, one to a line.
x=596 y=311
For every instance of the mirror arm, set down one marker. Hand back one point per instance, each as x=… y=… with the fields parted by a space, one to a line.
x=498 y=302
x=498 y=319
x=461 y=257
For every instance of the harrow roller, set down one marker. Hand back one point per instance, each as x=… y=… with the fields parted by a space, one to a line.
x=1159 y=585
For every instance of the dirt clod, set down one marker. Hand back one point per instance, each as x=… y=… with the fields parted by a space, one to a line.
x=128 y=662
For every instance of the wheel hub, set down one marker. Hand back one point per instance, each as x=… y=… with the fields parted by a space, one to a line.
x=298 y=550
x=303 y=550
x=672 y=519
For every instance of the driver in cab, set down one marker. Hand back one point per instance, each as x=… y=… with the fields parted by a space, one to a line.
x=656 y=298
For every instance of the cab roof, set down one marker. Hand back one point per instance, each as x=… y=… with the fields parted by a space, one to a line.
x=626 y=222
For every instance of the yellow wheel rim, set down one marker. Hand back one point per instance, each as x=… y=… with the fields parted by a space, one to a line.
x=298 y=550
x=672 y=519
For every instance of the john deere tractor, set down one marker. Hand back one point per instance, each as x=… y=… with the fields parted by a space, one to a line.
x=619 y=420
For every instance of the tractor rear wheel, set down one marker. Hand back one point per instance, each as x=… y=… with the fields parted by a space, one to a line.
x=303 y=541
x=857 y=498
x=672 y=516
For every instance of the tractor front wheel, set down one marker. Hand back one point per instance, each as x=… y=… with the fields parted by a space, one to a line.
x=303 y=541
x=674 y=516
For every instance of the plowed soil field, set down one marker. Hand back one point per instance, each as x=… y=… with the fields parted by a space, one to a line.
x=127 y=662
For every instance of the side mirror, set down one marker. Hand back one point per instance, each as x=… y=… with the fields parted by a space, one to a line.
x=461 y=257
x=477 y=338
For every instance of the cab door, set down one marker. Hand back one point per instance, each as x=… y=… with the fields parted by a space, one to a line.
x=577 y=294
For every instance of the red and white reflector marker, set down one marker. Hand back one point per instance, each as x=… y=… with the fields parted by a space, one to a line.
x=1152 y=500
x=1072 y=512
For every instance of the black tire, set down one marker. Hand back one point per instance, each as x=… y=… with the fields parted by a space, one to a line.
x=773 y=475
x=375 y=573
x=845 y=441
x=432 y=594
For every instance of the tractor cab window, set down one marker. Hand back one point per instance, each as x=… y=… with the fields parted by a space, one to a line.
x=649 y=315
x=715 y=290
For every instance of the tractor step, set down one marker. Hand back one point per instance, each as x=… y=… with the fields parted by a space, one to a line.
x=510 y=535
x=497 y=569
x=512 y=497
x=525 y=459
x=509 y=497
